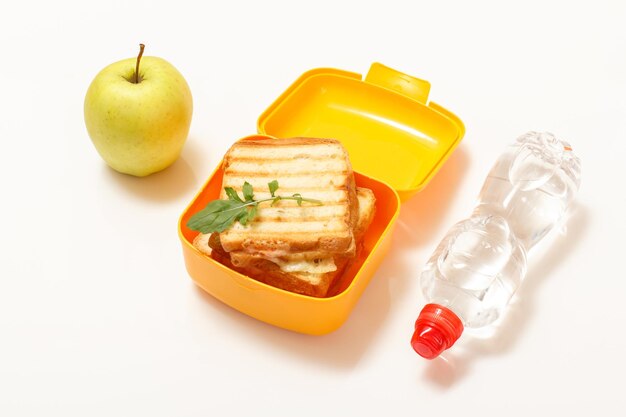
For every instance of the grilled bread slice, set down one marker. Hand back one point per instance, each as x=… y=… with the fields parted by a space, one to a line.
x=316 y=168
x=317 y=262
x=310 y=272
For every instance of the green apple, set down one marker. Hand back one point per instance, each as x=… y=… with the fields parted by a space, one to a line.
x=138 y=117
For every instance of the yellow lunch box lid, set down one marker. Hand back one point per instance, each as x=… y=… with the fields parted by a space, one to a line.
x=385 y=121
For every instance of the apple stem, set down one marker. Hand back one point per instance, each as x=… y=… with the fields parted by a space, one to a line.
x=141 y=48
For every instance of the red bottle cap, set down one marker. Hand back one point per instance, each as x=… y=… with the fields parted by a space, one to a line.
x=436 y=329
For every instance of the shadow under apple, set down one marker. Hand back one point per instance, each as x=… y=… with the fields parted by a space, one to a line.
x=174 y=182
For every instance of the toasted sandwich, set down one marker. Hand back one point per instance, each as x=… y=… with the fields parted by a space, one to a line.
x=308 y=272
x=300 y=248
x=317 y=168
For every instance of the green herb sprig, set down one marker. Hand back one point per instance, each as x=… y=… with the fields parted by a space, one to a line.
x=219 y=215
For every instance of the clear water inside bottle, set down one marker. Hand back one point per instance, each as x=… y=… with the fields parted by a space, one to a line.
x=531 y=186
x=481 y=262
x=475 y=270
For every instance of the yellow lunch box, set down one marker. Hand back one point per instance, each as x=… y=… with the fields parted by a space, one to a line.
x=397 y=141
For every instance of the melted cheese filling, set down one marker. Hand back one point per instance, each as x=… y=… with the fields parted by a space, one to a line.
x=313 y=266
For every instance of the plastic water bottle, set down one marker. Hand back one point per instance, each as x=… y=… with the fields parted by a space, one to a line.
x=480 y=263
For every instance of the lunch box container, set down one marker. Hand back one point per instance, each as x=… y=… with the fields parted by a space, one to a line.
x=397 y=140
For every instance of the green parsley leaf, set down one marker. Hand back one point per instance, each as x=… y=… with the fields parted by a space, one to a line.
x=232 y=194
x=247 y=191
x=252 y=212
x=219 y=215
x=275 y=200
x=273 y=186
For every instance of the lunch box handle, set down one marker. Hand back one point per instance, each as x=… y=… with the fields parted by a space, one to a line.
x=404 y=84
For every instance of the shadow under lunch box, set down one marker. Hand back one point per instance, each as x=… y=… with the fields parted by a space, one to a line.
x=396 y=140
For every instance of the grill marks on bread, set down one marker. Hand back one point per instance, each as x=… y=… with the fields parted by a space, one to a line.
x=315 y=168
x=269 y=267
x=301 y=249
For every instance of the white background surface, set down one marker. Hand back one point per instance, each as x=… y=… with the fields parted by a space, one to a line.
x=98 y=315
